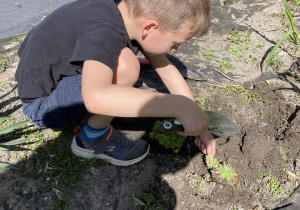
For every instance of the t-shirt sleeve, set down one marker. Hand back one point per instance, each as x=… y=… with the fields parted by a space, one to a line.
x=100 y=44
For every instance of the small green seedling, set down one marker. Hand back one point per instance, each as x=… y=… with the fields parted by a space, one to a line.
x=2 y=65
x=208 y=55
x=222 y=173
x=225 y=65
x=274 y=186
x=236 y=51
x=149 y=202
x=211 y=162
x=172 y=140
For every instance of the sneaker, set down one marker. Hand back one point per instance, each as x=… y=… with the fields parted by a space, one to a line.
x=113 y=146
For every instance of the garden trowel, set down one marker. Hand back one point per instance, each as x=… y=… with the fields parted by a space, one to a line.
x=219 y=125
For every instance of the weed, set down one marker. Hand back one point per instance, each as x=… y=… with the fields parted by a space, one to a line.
x=235 y=36
x=296 y=98
x=187 y=175
x=2 y=65
x=222 y=173
x=201 y=101
x=2 y=83
x=61 y=168
x=41 y=14
x=274 y=185
x=227 y=172
x=295 y=2
x=59 y=204
x=224 y=64
x=211 y=162
x=170 y=140
x=236 y=51
x=149 y=202
x=246 y=94
x=277 y=61
x=238 y=37
x=260 y=46
x=281 y=15
x=255 y=59
x=208 y=55
x=290 y=33
x=263 y=174
x=284 y=159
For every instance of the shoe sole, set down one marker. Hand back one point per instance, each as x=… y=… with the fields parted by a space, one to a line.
x=89 y=154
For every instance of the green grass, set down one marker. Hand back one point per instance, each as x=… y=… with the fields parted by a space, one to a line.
x=42 y=153
x=239 y=38
x=246 y=94
x=208 y=55
x=295 y=2
x=236 y=51
x=148 y=202
x=226 y=65
x=2 y=65
x=291 y=33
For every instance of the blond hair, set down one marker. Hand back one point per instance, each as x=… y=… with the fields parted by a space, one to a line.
x=171 y=14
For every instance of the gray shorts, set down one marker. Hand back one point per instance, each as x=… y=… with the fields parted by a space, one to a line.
x=64 y=107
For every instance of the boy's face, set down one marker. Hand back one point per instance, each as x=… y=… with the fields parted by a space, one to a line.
x=159 y=42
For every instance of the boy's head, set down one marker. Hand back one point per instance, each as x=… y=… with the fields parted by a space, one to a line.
x=172 y=14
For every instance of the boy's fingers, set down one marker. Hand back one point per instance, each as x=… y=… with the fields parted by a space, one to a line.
x=203 y=148
x=197 y=142
x=211 y=148
x=210 y=144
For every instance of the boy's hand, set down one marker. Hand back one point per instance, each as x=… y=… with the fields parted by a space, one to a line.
x=206 y=143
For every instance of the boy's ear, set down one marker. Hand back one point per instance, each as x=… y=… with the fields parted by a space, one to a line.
x=148 y=25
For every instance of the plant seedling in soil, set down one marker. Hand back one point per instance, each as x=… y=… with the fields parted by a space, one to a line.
x=2 y=65
x=224 y=64
x=170 y=140
x=208 y=55
x=274 y=186
x=292 y=33
x=151 y=202
x=222 y=173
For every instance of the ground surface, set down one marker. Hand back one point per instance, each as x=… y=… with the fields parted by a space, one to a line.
x=265 y=153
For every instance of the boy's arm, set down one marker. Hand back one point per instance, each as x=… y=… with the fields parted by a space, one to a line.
x=170 y=75
x=177 y=85
x=102 y=97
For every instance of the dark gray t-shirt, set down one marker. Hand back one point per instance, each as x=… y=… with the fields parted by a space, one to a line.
x=58 y=46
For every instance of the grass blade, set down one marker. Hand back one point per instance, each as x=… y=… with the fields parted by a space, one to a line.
x=6 y=165
x=289 y=15
x=3 y=149
x=288 y=33
x=12 y=127
x=10 y=143
x=4 y=82
x=2 y=119
x=294 y=35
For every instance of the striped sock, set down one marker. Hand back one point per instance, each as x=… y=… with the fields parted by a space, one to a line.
x=91 y=133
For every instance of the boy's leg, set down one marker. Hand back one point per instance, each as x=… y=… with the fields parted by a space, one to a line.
x=127 y=74
x=98 y=139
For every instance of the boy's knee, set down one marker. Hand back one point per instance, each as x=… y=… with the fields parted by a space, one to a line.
x=128 y=69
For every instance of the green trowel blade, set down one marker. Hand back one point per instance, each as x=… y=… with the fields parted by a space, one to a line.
x=220 y=125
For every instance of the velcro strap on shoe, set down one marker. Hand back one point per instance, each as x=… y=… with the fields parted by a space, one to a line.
x=103 y=141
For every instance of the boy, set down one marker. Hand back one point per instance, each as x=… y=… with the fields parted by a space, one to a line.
x=80 y=62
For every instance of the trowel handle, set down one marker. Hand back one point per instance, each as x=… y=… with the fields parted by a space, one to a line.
x=170 y=126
